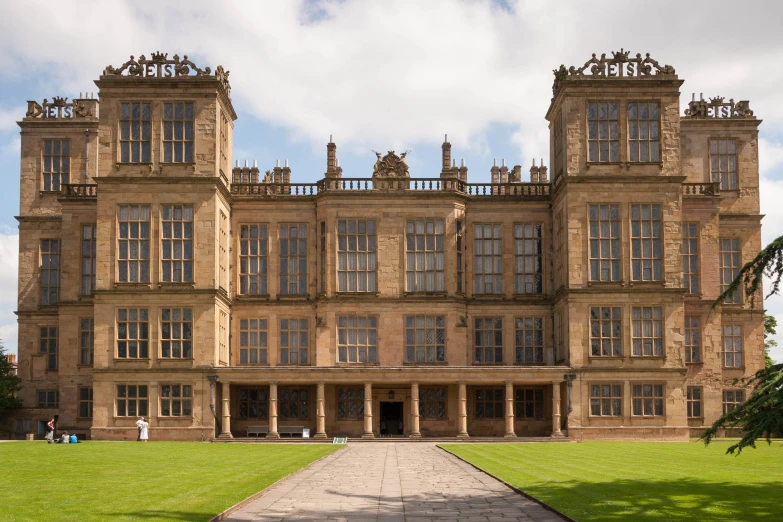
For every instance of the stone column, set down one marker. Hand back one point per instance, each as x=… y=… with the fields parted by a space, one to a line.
x=368 y=434
x=320 y=430
x=273 y=434
x=462 y=411
x=556 y=410
x=510 y=410
x=415 y=411
x=225 y=432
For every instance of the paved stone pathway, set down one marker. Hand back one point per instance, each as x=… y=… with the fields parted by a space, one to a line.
x=392 y=482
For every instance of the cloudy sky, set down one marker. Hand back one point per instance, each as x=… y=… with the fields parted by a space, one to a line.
x=387 y=75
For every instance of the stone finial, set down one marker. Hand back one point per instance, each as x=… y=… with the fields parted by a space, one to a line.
x=463 y=172
x=494 y=172
x=534 y=172
x=542 y=177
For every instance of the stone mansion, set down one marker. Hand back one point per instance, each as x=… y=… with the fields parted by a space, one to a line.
x=157 y=280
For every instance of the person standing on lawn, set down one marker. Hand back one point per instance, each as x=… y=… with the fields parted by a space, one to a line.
x=143 y=426
x=50 y=431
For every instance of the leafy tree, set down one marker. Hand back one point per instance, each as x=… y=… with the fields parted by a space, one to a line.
x=9 y=384
x=770 y=329
x=761 y=415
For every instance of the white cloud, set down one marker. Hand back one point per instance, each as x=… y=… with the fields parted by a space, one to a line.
x=9 y=117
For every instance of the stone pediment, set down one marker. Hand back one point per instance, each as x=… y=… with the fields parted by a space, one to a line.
x=390 y=166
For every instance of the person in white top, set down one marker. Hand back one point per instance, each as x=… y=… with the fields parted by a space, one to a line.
x=143 y=425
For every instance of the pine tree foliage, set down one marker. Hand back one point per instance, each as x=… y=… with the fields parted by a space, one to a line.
x=10 y=384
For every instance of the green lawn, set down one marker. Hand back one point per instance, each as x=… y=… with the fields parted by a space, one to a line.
x=600 y=481
x=131 y=481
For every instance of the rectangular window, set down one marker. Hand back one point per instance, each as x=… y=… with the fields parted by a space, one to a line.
x=723 y=163
x=488 y=259
x=178 y=132
x=690 y=257
x=557 y=139
x=528 y=261
x=692 y=339
x=425 y=255
x=602 y=134
x=604 y=242
x=488 y=403
x=48 y=346
x=606 y=400
x=648 y=400
x=488 y=340
x=732 y=399
x=132 y=333
x=253 y=251
x=85 y=403
x=177 y=243
x=432 y=403
x=132 y=400
x=133 y=258
x=694 y=402
x=293 y=259
x=643 y=136
x=86 y=341
x=731 y=341
x=50 y=271
x=425 y=339
x=460 y=268
x=350 y=403
x=294 y=340
x=606 y=327
x=56 y=164
x=89 y=236
x=223 y=338
x=322 y=257
x=646 y=251
x=356 y=256
x=529 y=336
x=254 y=403
x=176 y=400
x=529 y=403
x=647 y=331
x=252 y=341
x=294 y=404
x=176 y=333
x=135 y=133
x=223 y=252
x=730 y=264
x=48 y=399
x=357 y=339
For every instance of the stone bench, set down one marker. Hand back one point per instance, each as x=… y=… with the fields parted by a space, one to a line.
x=257 y=430
x=290 y=430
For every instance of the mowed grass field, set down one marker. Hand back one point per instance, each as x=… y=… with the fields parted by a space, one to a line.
x=640 y=481
x=151 y=481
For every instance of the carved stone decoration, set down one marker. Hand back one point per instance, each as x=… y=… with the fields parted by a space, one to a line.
x=61 y=108
x=717 y=108
x=390 y=166
x=620 y=65
x=569 y=377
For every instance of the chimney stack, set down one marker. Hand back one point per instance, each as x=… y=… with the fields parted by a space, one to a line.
x=332 y=166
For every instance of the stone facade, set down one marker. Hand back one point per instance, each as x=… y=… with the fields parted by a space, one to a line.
x=221 y=302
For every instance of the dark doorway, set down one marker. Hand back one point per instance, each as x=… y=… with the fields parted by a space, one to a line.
x=391 y=419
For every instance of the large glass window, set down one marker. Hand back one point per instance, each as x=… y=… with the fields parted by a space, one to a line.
x=133 y=257
x=350 y=403
x=460 y=261
x=85 y=403
x=356 y=255
x=602 y=132
x=132 y=333
x=692 y=339
x=488 y=259
x=606 y=400
x=357 y=339
x=178 y=132
x=723 y=163
x=730 y=259
x=606 y=338
x=176 y=400
x=50 y=271
x=86 y=341
x=135 y=133
x=293 y=259
x=693 y=402
x=488 y=340
x=732 y=399
x=89 y=236
x=48 y=399
x=294 y=341
x=425 y=255
x=529 y=403
x=294 y=404
x=132 y=400
x=253 y=251
x=252 y=341
x=690 y=257
x=647 y=331
x=488 y=403
x=425 y=338
x=529 y=337
x=648 y=400
x=176 y=333
x=56 y=164
x=254 y=403
x=47 y=342
x=731 y=341
x=432 y=403
x=643 y=132
x=528 y=260
x=604 y=242
x=646 y=251
x=177 y=243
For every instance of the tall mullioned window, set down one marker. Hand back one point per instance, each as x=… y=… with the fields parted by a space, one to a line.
x=252 y=341
x=177 y=243
x=604 y=242
x=293 y=259
x=643 y=132
x=647 y=331
x=730 y=264
x=432 y=403
x=48 y=399
x=488 y=403
x=693 y=402
x=425 y=339
x=731 y=342
x=176 y=400
x=723 y=163
x=602 y=133
x=350 y=403
x=357 y=339
x=732 y=399
x=253 y=252
x=488 y=259
x=488 y=345
x=254 y=403
x=356 y=255
x=692 y=339
x=85 y=403
x=50 y=271
x=86 y=341
x=132 y=333
x=528 y=260
x=132 y=400
x=460 y=260
x=529 y=337
x=176 y=333
x=89 y=236
x=178 y=132
x=606 y=400
x=294 y=404
x=48 y=345
x=135 y=133
x=425 y=255
x=133 y=256
x=647 y=400
x=646 y=249
x=529 y=403
x=557 y=131
x=690 y=257
x=56 y=164
x=294 y=341
x=322 y=257
x=606 y=331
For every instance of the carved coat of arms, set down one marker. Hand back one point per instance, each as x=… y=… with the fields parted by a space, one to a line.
x=390 y=166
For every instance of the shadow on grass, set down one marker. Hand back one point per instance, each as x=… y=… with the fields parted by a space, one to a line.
x=150 y=514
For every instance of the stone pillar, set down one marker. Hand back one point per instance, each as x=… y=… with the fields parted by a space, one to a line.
x=320 y=430
x=273 y=433
x=415 y=411
x=510 y=410
x=368 y=434
x=556 y=410
x=225 y=432
x=462 y=411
